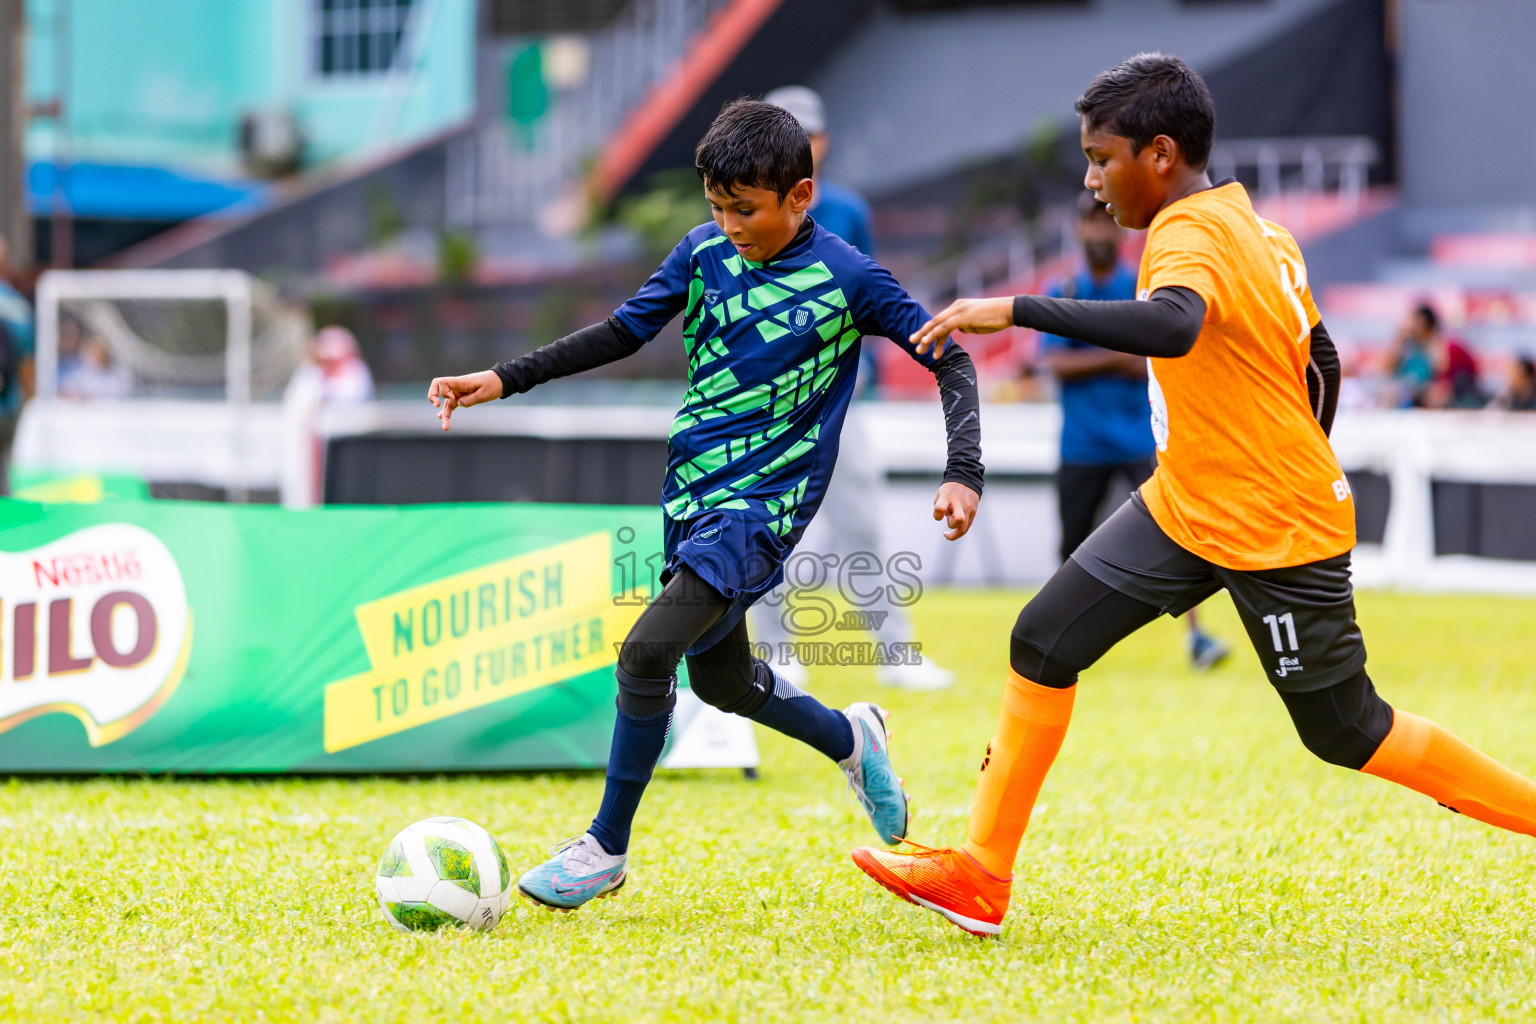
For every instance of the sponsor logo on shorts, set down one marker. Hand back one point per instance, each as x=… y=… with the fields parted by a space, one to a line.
x=709 y=536
x=1288 y=667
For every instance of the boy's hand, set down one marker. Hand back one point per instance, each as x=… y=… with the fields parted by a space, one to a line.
x=956 y=505
x=973 y=316
x=449 y=393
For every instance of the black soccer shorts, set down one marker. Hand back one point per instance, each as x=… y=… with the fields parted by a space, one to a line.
x=1300 y=619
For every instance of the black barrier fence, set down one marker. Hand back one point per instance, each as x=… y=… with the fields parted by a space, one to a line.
x=412 y=469
x=1373 y=500
x=1486 y=519
x=1490 y=520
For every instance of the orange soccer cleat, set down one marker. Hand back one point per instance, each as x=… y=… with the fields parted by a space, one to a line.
x=946 y=881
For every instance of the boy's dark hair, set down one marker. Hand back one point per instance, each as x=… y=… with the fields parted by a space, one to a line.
x=1527 y=366
x=1427 y=313
x=753 y=144
x=1149 y=95
x=1088 y=208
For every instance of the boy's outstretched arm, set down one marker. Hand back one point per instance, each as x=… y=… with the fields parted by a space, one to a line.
x=632 y=325
x=1164 y=327
x=449 y=393
x=585 y=349
x=960 y=491
x=882 y=307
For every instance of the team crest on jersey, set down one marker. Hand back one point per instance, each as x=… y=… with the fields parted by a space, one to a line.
x=801 y=319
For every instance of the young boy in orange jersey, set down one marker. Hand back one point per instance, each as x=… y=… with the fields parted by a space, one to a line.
x=1247 y=495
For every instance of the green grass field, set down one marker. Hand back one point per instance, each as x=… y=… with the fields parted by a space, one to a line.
x=1189 y=862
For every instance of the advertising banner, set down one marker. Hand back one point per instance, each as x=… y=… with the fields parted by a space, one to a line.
x=146 y=636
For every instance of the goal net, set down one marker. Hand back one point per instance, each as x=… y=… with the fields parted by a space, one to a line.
x=218 y=335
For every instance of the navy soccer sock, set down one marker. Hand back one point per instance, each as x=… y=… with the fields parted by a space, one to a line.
x=793 y=712
x=637 y=745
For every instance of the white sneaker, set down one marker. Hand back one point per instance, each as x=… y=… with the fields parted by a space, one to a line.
x=870 y=774
x=579 y=870
x=925 y=675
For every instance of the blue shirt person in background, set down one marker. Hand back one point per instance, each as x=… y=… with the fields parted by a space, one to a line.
x=843 y=212
x=16 y=360
x=846 y=525
x=840 y=210
x=1106 y=417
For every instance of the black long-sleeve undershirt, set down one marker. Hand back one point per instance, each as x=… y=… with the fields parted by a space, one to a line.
x=610 y=341
x=958 y=393
x=1165 y=327
x=1323 y=372
x=585 y=349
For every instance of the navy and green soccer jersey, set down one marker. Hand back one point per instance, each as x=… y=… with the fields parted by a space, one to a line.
x=772 y=354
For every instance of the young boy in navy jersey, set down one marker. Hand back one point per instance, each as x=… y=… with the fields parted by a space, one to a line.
x=774 y=307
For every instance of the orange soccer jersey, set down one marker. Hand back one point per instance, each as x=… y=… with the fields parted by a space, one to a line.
x=1245 y=475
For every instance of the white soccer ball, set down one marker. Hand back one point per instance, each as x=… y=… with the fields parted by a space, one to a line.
x=443 y=871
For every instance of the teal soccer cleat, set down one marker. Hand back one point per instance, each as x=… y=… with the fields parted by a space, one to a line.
x=870 y=775
x=580 y=870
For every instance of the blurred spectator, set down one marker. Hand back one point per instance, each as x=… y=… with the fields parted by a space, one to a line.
x=1433 y=370
x=1520 y=392
x=344 y=377
x=1413 y=362
x=1456 y=384
x=16 y=347
x=70 y=338
x=96 y=374
x=840 y=210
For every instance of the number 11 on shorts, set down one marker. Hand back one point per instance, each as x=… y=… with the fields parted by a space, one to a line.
x=1274 y=622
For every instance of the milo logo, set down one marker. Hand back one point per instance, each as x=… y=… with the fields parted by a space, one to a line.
x=95 y=625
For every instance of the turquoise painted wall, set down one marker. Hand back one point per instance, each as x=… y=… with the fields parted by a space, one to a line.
x=164 y=82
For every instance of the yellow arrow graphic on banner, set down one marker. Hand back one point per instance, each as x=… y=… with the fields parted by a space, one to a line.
x=476 y=637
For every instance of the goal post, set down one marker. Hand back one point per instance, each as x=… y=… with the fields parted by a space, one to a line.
x=218 y=334
x=179 y=374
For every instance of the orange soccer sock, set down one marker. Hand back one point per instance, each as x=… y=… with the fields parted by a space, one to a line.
x=1030 y=730
x=1432 y=760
